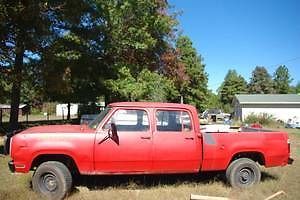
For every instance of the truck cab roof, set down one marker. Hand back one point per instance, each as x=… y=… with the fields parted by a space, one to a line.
x=151 y=105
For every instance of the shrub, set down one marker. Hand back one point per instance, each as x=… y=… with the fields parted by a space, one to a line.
x=262 y=118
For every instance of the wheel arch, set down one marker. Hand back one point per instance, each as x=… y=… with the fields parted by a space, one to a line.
x=253 y=155
x=63 y=158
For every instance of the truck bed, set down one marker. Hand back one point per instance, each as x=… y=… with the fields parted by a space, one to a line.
x=222 y=147
x=223 y=128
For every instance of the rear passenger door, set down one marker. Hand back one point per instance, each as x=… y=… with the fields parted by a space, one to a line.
x=131 y=153
x=176 y=147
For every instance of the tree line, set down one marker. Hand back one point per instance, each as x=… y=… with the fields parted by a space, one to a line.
x=261 y=82
x=129 y=50
x=75 y=51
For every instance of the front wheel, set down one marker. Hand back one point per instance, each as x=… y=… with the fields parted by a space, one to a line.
x=6 y=144
x=52 y=180
x=243 y=173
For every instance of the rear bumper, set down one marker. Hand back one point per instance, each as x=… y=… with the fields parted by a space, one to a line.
x=11 y=166
x=290 y=161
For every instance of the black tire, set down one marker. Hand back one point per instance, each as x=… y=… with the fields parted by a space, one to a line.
x=228 y=170
x=243 y=173
x=52 y=180
x=6 y=144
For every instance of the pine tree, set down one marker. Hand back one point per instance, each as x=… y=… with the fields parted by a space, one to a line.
x=28 y=27
x=260 y=82
x=282 y=80
x=233 y=84
x=194 y=91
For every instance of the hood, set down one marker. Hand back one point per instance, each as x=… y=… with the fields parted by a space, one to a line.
x=56 y=129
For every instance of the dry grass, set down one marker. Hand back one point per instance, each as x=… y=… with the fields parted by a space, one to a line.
x=165 y=187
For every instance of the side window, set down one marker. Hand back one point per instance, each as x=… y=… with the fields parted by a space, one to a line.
x=170 y=120
x=129 y=120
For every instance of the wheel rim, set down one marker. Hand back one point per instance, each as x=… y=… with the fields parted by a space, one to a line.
x=246 y=176
x=49 y=182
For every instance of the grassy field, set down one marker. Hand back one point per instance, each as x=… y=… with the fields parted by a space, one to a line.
x=17 y=186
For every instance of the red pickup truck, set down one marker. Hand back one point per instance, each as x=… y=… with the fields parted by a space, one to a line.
x=142 y=138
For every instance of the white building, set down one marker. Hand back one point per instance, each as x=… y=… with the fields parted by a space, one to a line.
x=62 y=109
x=280 y=106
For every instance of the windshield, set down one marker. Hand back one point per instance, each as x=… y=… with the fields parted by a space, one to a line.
x=94 y=124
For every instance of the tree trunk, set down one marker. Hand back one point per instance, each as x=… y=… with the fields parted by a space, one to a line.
x=1 y=117
x=181 y=99
x=69 y=111
x=16 y=87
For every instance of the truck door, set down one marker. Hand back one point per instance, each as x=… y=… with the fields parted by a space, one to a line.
x=129 y=151
x=176 y=147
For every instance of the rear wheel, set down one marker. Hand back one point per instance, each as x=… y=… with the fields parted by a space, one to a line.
x=52 y=180
x=243 y=173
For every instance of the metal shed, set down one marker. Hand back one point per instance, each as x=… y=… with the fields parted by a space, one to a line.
x=281 y=106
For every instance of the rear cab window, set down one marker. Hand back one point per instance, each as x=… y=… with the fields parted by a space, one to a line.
x=173 y=121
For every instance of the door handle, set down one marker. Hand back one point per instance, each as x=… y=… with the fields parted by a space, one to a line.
x=189 y=138
x=145 y=137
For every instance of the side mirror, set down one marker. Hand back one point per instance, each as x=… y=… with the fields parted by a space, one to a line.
x=114 y=133
x=113 y=129
x=111 y=134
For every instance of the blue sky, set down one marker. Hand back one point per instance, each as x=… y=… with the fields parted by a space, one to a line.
x=242 y=34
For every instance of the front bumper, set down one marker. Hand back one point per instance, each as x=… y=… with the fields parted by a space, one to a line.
x=290 y=161
x=11 y=166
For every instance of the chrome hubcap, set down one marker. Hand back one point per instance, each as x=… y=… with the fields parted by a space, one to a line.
x=49 y=181
x=245 y=176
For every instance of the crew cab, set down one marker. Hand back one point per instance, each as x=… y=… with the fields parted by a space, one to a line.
x=142 y=138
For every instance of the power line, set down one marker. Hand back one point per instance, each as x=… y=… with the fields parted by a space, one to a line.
x=286 y=61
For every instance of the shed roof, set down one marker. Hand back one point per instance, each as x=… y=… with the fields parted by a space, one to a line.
x=268 y=98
